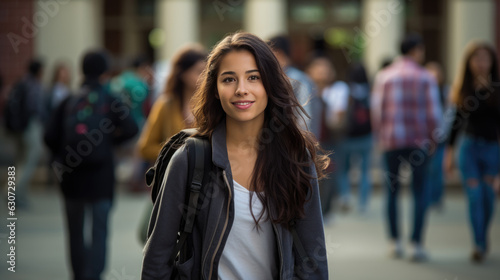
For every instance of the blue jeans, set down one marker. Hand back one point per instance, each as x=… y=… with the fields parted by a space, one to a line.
x=435 y=177
x=29 y=150
x=87 y=262
x=478 y=159
x=418 y=161
x=359 y=147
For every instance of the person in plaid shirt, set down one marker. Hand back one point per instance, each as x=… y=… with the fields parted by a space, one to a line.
x=406 y=114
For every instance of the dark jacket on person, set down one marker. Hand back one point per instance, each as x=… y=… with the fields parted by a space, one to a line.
x=35 y=98
x=89 y=181
x=214 y=221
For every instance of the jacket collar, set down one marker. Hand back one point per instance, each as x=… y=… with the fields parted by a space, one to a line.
x=219 y=148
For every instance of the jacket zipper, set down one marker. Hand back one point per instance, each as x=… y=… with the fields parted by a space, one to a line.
x=206 y=255
x=225 y=225
x=280 y=252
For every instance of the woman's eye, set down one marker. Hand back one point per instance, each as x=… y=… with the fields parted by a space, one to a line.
x=227 y=80
x=254 y=77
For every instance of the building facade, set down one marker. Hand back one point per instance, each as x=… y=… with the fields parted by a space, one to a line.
x=348 y=30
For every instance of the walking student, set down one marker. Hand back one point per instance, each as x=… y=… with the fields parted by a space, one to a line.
x=357 y=140
x=476 y=95
x=264 y=183
x=405 y=111
x=81 y=135
x=24 y=116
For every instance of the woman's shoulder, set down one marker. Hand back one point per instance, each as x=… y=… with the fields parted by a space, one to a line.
x=178 y=163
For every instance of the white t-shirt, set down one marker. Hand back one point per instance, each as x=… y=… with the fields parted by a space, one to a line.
x=336 y=98
x=248 y=253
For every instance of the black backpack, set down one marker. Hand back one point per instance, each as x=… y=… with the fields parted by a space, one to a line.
x=358 y=116
x=16 y=112
x=199 y=153
x=84 y=139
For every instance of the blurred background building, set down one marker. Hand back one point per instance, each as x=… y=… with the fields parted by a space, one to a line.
x=348 y=30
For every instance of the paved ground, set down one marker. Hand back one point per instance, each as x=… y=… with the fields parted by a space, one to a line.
x=356 y=244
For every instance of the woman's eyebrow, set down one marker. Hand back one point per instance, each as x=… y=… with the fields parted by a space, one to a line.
x=228 y=73
x=234 y=73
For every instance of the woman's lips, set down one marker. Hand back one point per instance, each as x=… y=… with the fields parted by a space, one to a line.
x=242 y=105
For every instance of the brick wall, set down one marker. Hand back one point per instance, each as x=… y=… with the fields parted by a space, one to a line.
x=16 y=41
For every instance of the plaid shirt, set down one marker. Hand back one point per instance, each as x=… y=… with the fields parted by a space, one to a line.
x=405 y=106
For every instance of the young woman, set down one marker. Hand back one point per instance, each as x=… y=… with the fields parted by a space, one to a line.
x=171 y=112
x=264 y=185
x=476 y=94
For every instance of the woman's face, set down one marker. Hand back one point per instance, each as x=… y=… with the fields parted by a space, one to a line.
x=480 y=63
x=191 y=77
x=240 y=89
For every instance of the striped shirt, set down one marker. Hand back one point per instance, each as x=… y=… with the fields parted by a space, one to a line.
x=405 y=106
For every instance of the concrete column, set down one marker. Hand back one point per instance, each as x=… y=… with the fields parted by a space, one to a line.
x=67 y=29
x=265 y=18
x=467 y=20
x=179 y=21
x=131 y=39
x=382 y=28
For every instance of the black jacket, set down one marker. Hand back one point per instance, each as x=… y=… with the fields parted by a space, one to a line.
x=215 y=219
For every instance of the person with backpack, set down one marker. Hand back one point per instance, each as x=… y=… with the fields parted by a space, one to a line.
x=81 y=134
x=357 y=141
x=24 y=116
x=258 y=213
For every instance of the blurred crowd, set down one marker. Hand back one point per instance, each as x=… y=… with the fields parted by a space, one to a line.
x=406 y=113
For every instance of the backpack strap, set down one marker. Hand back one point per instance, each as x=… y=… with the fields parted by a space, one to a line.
x=195 y=187
x=200 y=145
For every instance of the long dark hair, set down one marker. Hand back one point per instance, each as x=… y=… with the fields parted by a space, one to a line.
x=182 y=62
x=285 y=151
x=464 y=83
